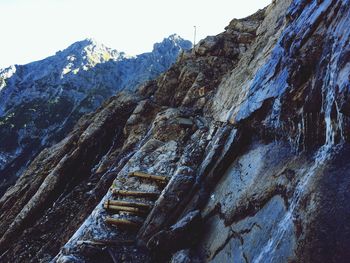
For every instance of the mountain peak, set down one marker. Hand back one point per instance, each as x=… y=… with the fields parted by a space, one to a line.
x=90 y=41
x=95 y=52
x=175 y=37
x=173 y=40
x=87 y=53
x=87 y=43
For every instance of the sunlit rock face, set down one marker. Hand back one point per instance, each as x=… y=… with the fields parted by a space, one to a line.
x=40 y=102
x=250 y=127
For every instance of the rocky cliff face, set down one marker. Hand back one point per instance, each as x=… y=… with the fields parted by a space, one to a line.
x=40 y=102
x=250 y=128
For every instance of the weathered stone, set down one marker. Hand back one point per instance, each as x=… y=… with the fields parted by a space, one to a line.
x=179 y=236
x=28 y=199
x=171 y=196
x=182 y=256
x=206 y=45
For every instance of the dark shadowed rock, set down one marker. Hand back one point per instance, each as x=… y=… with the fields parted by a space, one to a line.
x=182 y=256
x=178 y=236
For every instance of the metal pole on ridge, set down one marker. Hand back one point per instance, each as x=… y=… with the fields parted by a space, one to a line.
x=194 y=38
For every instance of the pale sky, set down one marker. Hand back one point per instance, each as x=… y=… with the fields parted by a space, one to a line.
x=34 y=29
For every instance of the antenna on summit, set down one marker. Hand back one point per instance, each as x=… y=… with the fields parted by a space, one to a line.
x=194 y=37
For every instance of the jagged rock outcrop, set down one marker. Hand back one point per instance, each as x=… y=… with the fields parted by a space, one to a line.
x=251 y=129
x=40 y=102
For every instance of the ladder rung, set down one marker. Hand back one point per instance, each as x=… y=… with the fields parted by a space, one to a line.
x=124 y=208
x=143 y=175
x=153 y=195
x=127 y=203
x=138 y=214
x=121 y=222
x=106 y=242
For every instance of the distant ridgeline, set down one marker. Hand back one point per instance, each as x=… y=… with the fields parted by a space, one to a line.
x=40 y=102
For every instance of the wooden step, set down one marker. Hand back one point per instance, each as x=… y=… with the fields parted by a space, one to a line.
x=138 y=214
x=130 y=204
x=151 y=195
x=133 y=210
x=159 y=178
x=122 y=222
x=133 y=213
x=106 y=242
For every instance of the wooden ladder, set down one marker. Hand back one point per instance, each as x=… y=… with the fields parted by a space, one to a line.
x=136 y=208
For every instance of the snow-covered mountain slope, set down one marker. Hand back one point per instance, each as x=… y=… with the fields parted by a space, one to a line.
x=40 y=102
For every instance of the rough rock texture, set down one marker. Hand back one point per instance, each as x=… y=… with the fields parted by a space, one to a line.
x=251 y=128
x=181 y=235
x=40 y=102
